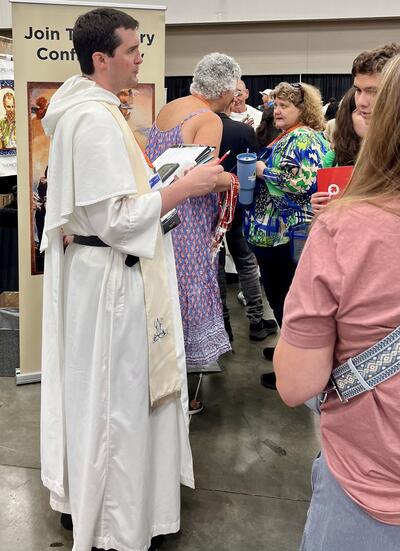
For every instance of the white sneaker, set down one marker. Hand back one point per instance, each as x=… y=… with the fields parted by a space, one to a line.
x=241 y=298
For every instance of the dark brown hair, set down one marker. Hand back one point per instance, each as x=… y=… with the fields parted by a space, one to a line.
x=94 y=31
x=346 y=143
x=266 y=131
x=373 y=61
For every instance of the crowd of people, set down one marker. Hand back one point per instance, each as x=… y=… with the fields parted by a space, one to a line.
x=129 y=305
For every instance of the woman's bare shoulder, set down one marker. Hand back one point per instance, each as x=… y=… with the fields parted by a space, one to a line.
x=175 y=112
x=179 y=111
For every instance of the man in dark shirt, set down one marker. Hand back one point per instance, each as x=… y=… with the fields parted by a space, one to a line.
x=238 y=138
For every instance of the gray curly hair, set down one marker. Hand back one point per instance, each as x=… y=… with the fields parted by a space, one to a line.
x=215 y=74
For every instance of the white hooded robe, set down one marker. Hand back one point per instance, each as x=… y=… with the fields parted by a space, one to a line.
x=107 y=458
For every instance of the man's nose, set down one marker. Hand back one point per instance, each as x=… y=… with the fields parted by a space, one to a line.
x=361 y=99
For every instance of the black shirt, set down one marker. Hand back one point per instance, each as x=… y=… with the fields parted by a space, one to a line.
x=236 y=137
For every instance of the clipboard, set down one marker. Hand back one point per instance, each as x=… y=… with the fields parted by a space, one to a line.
x=182 y=157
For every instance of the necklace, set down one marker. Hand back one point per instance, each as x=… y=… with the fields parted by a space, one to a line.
x=226 y=209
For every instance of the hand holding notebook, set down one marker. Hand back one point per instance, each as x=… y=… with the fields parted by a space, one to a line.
x=177 y=159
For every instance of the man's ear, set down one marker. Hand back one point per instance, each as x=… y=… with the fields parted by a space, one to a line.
x=99 y=61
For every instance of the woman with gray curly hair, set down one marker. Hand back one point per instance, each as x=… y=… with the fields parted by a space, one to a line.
x=215 y=74
x=193 y=120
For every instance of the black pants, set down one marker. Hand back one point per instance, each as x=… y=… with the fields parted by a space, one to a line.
x=277 y=271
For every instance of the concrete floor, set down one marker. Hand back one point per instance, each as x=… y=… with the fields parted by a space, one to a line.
x=252 y=458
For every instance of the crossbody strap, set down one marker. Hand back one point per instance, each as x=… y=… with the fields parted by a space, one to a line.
x=368 y=369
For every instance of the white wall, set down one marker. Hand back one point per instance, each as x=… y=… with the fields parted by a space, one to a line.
x=215 y=11
x=271 y=48
x=278 y=48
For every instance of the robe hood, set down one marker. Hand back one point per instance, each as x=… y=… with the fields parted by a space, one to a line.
x=75 y=99
x=75 y=91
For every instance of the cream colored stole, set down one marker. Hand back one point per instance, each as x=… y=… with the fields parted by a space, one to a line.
x=164 y=376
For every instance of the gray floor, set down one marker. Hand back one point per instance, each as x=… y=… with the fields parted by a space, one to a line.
x=252 y=459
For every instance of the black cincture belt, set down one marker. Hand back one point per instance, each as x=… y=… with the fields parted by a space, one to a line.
x=94 y=241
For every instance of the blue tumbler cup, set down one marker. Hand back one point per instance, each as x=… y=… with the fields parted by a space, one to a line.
x=246 y=172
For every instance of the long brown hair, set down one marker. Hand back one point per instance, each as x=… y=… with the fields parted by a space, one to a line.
x=376 y=176
x=346 y=143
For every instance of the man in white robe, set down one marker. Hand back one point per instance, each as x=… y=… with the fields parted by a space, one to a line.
x=112 y=455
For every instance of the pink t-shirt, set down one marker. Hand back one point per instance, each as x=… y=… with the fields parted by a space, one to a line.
x=346 y=291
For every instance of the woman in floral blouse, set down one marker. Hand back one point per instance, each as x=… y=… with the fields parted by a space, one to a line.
x=287 y=179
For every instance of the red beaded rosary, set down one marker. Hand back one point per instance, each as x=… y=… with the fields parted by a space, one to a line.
x=226 y=209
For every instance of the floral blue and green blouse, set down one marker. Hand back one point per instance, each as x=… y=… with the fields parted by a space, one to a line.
x=282 y=198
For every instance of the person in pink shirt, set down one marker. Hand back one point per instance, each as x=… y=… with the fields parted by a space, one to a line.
x=343 y=300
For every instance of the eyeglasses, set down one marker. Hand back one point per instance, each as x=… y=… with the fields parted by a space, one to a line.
x=237 y=93
x=298 y=86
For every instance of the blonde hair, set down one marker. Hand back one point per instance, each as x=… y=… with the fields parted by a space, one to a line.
x=376 y=176
x=307 y=98
x=330 y=130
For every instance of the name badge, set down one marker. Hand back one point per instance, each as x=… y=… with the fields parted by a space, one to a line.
x=155 y=182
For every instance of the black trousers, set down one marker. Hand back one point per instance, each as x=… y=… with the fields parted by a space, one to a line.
x=277 y=271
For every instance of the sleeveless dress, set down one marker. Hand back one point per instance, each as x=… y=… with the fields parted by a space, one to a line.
x=203 y=326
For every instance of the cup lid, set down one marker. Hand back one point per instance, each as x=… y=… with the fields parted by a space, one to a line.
x=247 y=157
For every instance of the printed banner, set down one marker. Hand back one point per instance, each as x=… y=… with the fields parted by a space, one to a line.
x=8 y=135
x=44 y=58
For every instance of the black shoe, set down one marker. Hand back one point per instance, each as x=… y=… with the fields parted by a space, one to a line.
x=268 y=353
x=66 y=521
x=260 y=330
x=228 y=329
x=268 y=380
x=156 y=542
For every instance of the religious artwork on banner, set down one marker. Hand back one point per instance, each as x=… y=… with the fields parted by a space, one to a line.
x=138 y=108
x=8 y=136
x=39 y=96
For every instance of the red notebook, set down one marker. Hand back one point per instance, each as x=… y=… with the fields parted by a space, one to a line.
x=333 y=180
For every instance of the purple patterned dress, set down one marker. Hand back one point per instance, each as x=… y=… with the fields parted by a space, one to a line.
x=203 y=325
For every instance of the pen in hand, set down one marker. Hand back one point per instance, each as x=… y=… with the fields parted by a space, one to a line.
x=224 y=156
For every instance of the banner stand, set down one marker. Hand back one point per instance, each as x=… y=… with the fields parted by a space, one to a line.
x=44 y=57
x=27 y=378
